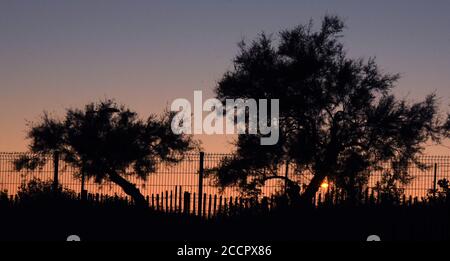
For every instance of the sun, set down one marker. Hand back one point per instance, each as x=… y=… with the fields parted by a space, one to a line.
x=324 y=185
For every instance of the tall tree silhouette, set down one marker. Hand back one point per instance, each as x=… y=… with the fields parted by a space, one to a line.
x=105 y=141
x=338 y=118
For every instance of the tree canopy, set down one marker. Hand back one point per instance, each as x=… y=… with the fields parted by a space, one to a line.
x=338 y=116
x=107 y=141
x=447 y=127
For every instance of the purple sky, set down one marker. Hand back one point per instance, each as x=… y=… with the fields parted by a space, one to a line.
x=59 y=54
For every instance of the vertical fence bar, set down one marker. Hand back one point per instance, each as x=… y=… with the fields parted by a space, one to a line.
x=187 y=202
x=204 y=205
x=175 y=199
x=435 y=179
x=167 y=201
x=83 y=186
x=185 y=175
x=286 y=175
x=200 y=183
x=55 y=173
x=179 y=200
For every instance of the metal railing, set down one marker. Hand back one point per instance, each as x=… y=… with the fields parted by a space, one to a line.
x=185 y=177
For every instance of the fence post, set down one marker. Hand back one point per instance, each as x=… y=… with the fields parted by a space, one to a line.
x=435 y=179
x=55 y=173
x=179 y=200
x=204 y=204
x=187 y=203
x=83 y=188
x=175 y=199
x=200 y=183
x=286 y=176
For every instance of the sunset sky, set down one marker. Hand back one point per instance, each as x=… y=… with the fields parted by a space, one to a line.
x=59 y=54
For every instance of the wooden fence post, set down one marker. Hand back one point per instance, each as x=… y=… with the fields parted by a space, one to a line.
x=286 y=176
x=179 y=200
x=157 y=202
x=435 y=179
x=175 y=199
x=193 y=204
x=204 y=205
x=209 y=206
x=170 y=207
x=55 y=173
x=200 y=183
x=187 y=203
x=220 y=205
x=215 y=205
x=84 y=192
x=167 y=202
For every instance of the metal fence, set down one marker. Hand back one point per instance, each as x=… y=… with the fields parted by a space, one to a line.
x=184 y=177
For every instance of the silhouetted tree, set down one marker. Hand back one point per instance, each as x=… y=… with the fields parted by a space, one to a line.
x=106 y=141
x=338 y=118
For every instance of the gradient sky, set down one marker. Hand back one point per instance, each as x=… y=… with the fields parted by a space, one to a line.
x=59 y=54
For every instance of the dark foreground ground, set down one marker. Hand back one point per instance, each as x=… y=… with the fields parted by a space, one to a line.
x=93 y=223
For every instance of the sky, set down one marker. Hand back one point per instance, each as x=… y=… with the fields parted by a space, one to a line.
x=63 y=54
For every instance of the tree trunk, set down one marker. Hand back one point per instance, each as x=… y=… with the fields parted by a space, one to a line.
x=311 y=190
x=323 y=168
x=130 y=189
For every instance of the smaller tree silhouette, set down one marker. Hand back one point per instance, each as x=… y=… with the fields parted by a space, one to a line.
x=107 y=141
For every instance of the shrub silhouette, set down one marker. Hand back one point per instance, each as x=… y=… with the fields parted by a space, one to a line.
x=442 y=192
x=38 y=191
